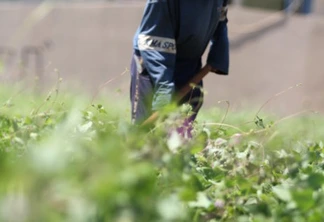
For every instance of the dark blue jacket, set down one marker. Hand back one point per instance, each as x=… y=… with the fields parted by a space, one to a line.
x=173 y=36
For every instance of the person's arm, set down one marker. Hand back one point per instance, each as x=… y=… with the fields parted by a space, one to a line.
x=157 y=45
x=218 y=57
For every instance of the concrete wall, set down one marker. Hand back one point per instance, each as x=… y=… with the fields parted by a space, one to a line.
x=319 y=7
x=91 y=43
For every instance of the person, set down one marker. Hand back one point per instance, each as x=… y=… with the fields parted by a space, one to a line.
x=167 y=52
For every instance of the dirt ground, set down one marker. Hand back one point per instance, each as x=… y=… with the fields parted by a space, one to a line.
x=90 y=44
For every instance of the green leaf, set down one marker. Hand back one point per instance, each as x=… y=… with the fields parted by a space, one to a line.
x=102 y=111
x=202 y=201
x=215 y=174
x=195 y=149
x=255 y=207
x=28 y=120
x=188 y=194
x=315 y=180
x=19 y=141
x=304 y=199
x=315 y=216
x=49 y=121
x=244 y=184
x=251 y=201
x=282 y=193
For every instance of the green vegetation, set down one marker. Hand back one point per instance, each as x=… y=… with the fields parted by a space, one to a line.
x=63 y=159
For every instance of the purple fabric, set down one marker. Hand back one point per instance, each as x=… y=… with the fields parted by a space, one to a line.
x=186 y=129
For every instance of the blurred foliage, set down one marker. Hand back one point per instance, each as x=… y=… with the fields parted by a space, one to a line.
x=62 y=160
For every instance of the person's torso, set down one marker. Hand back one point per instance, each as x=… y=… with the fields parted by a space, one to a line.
x=196 y=22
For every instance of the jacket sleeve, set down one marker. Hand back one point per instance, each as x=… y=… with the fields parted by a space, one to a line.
x=218 y=57
x=157 y=47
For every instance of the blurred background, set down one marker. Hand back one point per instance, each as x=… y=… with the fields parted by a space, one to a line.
x=275 y=45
